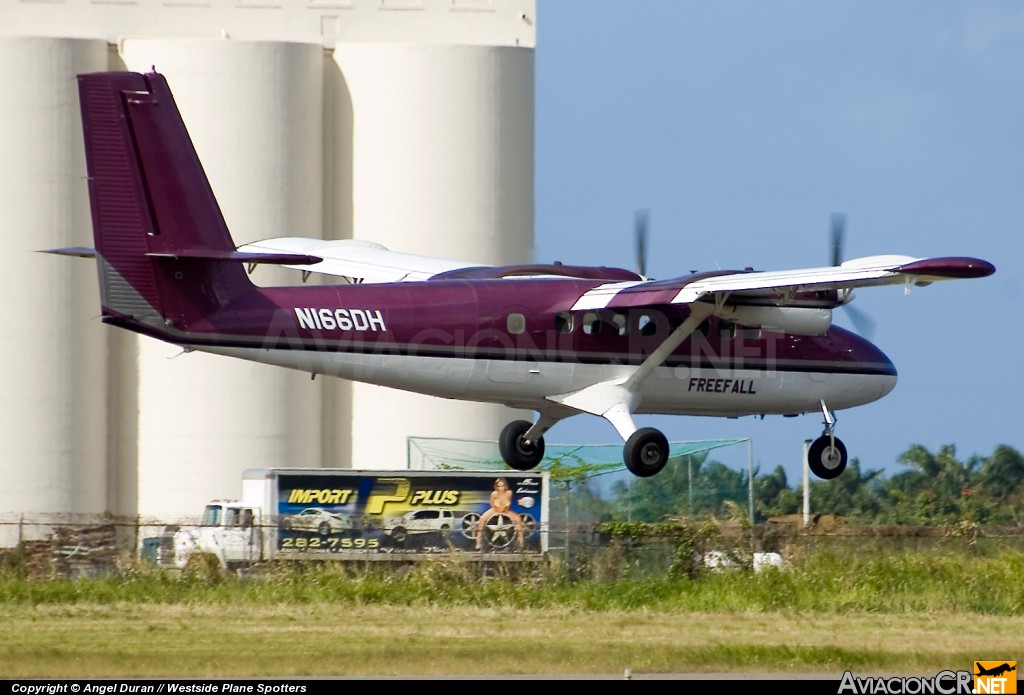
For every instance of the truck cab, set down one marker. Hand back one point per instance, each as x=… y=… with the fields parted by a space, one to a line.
x=228 y=531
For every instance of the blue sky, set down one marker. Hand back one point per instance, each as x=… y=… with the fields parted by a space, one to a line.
x=743 y=125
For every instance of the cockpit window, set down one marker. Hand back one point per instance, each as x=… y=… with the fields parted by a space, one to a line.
x=211 y=515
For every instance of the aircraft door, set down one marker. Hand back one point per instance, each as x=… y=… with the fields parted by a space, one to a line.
x=513 y=346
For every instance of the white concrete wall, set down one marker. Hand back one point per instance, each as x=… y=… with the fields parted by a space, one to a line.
x=255 y=114
x=52 y=348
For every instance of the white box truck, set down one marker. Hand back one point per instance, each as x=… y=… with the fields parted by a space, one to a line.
x=343 y=514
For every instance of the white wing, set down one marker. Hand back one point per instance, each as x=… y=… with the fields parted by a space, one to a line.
x=359 y=260
x=780 y=287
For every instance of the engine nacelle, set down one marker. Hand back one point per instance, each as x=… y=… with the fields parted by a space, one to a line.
x=797 y=320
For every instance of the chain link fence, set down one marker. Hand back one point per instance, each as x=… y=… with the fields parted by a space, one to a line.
x=79 y=545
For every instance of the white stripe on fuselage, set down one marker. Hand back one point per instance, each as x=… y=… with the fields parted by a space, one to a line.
x=602 y=295
x=673 y=390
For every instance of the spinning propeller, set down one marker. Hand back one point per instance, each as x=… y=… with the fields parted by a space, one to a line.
x=861 y=321
x=863 y=324
x=640 y=230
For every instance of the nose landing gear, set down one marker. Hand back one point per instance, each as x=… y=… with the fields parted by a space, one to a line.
x=826 y=457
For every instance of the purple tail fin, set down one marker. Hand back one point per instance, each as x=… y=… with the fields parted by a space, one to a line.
x=160 y=237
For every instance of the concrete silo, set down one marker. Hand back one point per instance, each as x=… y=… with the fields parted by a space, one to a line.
x=54 y=366
x=254 y=112
x=409 y=124
x=441 y=158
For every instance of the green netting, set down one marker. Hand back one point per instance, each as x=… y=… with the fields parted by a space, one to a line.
x=598 y=459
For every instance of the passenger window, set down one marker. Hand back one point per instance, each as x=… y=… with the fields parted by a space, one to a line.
x=563 y=322
x=591 y=324
x=621 y=324
x=647 y=325
x=704 y=328
x=726 y=330
x=516 y=323
x=751 y=333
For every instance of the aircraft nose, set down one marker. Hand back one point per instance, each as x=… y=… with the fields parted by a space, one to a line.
x=873 y=375
x=878 y=363
x=888 y=383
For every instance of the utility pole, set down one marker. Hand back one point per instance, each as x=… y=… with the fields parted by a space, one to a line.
x=807 y=484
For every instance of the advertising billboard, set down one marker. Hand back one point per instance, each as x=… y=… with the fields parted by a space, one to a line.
x=411 y=512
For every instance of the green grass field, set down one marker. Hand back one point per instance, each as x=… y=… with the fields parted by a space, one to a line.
x=903 y=614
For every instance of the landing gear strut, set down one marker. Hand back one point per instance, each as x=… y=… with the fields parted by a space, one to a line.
x=826 y=456
x=518 y=453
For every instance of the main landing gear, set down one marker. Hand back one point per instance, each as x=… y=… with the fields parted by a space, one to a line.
x=645 y=453
x=519 y=452
x=826 y=457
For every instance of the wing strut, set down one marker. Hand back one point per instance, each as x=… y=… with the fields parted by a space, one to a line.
x=616 y=400
x=698 y=312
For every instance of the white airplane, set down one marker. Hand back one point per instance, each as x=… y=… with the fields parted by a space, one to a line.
x=556 y=339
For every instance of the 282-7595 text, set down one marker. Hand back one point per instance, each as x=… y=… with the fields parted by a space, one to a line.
x=330 y=544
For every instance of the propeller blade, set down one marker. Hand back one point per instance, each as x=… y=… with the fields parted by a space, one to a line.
x=838 y=237
x=640 y=223
x=863 y=323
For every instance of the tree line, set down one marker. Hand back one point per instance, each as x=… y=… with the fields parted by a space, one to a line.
x=938 y=488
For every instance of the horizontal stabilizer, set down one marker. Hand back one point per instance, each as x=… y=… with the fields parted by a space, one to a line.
x=204 y=255
x=238 y=256
x=77 y=251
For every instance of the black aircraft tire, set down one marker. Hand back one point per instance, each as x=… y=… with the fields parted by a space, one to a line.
x=825 y=461
x=646 y=452
x=516 y=454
